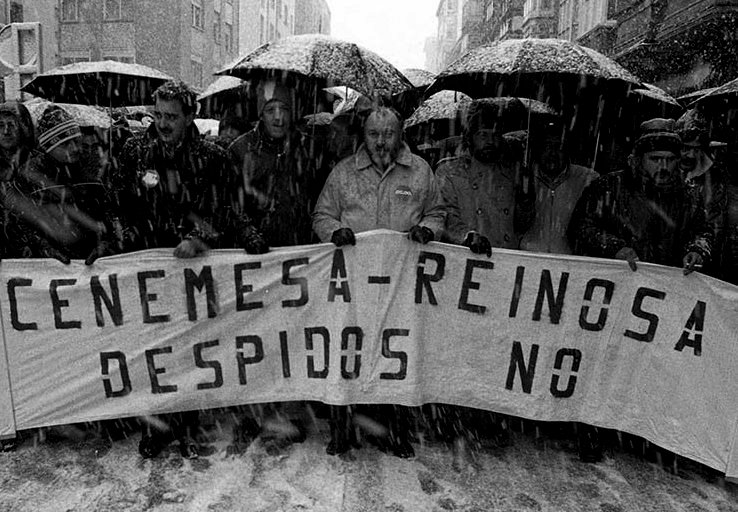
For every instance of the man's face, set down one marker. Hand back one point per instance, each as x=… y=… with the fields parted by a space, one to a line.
x=487 y=145
x=276 y=119
x=9 y=133
x=171 y=121
x=548 y=153
x=66 y=153
x=382 y=137
x=229 y=134
x=660 y=167
x=689 y=156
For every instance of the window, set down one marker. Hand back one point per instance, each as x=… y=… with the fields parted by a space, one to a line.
x=228 y=37
x=216 y=27
x=72 y=60
x=16 y=12
x=196 y=73
x=261 y=30
x=119 y=58
x=271 y=31
x=197 y=21
x=70 y=10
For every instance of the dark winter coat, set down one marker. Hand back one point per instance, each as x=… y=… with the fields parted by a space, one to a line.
x=47 y=210
x=165 y=197
x=617 y=211
x=276 y=185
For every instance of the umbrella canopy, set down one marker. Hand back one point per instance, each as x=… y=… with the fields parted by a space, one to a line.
x=652 y=101
x=322 y=58
x=420 y=78
x=532 y=68
x=687 y=99
x=726 y=94
x=223 y=85
x=444 y=105
x=226 y=93
x=106 y=83
x=85 y=115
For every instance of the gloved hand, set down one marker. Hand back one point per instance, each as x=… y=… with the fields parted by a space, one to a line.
x=50 y=252
x=628 y=254
x=255 y=243
x=190 y=248
x=479 y=244
x=420 y=234
x=343 y=236
x=102 y=249
x=692 y=261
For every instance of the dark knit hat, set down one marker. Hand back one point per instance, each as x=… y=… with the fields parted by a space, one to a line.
x=56 y=126
x=657 y=135
x=269 y=91
x=693 y=126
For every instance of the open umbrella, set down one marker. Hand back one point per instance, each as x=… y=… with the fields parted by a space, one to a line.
x=84 y=115
x=106 y=83
x=226 y=92
x=442 y=106
x=725 y=95
x=407 y=101
x=651 y=101
x=324 y=59
x=686 y=100
x=420 y=78
x=552 y=70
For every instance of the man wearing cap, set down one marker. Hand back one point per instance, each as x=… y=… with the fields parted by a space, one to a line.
x=73 y=214
x=274 y=172
x=174 y=187
x=644 y=213
x=482 y=187
x=703 y=178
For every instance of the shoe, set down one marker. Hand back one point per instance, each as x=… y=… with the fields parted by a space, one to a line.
x=150 y=446
x=338 y=444
x=188 y=449
x=403 y=449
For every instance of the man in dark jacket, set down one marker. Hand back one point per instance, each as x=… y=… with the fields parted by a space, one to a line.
x=174 y=189
x=644 y=213
x=275 y=183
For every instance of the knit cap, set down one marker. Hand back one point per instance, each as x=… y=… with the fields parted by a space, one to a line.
x=56 y=126
x=269 y=91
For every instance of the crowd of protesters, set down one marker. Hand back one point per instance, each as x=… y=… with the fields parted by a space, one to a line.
x=511 y=184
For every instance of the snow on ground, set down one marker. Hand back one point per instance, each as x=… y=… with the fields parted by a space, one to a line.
x=86 y=475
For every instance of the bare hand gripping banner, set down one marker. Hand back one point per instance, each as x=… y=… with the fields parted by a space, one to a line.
x=651 y=352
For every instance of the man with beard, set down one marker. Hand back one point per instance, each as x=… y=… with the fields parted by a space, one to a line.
x=645 y=212
x=174 y=190
x=490 y=204
x=483 y=188
x=382 y=185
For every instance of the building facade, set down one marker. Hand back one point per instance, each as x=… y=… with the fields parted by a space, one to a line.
x=262 y=21
x=678 y=45
x=187 y=39
x=438 y=49
x=312 y=17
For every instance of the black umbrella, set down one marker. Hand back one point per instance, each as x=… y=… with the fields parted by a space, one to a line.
x=324 y=59
x=550 y=70
x=105 y=83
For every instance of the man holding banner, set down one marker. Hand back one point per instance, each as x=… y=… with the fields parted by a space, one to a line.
x=176 y=195
x=382 y=185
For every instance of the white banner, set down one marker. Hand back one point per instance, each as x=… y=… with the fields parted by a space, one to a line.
x=651 y=352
